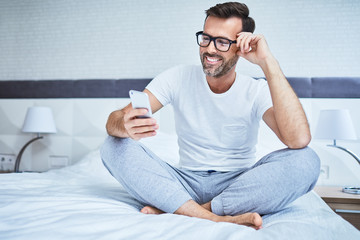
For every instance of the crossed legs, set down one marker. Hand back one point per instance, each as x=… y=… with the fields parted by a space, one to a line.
x=162 y=188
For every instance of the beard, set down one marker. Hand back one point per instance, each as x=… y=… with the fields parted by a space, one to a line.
x=221 y=70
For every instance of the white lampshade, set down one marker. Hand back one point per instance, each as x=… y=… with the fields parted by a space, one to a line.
x=335 y=124
x=39 y=120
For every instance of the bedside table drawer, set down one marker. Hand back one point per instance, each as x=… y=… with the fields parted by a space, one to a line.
x=345 y=205
x=350 y=212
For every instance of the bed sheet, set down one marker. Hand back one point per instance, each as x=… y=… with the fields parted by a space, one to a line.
x=84 y=201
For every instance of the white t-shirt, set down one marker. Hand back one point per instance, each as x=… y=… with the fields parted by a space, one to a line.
x=215 y=131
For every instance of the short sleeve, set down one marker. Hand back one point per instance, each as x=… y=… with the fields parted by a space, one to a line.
x=263 y=100
x=164 y=86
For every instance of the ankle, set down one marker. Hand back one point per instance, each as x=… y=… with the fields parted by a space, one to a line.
x=218 y=218
x=207 y=206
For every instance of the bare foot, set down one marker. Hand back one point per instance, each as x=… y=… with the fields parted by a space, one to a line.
x=248 y=219
x=151 y=210
x=253 y=220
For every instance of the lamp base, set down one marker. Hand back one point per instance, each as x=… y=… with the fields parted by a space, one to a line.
x=351 y=190
x=18 y=159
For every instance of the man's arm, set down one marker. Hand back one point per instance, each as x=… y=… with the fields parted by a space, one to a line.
x=124 y=123
x=287 y=117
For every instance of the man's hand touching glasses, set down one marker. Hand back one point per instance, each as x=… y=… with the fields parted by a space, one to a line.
x=254 y=48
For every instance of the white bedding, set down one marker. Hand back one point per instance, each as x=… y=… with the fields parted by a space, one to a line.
x=83 y=201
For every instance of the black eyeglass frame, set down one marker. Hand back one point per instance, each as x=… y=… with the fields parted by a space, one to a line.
x=214 y=40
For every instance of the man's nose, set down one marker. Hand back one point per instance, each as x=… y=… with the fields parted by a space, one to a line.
x=211 y=48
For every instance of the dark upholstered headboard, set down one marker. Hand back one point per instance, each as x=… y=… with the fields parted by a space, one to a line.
x=326 y=87
x=96 y=88
x=316 y=87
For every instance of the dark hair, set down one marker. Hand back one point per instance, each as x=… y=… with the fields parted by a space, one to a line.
x=233 y=9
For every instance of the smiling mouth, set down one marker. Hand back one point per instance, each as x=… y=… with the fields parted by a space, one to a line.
x=212 y=60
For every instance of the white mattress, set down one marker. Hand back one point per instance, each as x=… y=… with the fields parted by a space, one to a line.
x=83 y=201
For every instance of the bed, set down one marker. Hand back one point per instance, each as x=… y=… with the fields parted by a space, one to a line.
x=83 y=201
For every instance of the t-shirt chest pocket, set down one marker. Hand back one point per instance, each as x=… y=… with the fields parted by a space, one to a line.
x=234 y=136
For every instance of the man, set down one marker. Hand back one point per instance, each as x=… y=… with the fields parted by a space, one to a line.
x=217 y=114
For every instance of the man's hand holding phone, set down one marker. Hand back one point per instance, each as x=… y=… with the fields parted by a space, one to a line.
x=138 y=122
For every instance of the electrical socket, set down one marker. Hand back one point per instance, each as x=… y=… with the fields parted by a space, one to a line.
x=57 y=161
x=7 y=162
x=324 y=171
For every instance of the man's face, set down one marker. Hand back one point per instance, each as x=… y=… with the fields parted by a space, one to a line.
x=216 y=63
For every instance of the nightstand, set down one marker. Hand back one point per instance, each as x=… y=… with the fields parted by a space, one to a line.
x=344 y=204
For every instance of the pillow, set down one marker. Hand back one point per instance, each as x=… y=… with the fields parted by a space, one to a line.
x=91 y=167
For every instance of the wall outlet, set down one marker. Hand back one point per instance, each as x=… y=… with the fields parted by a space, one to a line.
x=57 y=161
x=7 y=162
x=324 y=172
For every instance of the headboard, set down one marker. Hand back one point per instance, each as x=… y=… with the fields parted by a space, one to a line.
x=92 y=88
x=315 y=87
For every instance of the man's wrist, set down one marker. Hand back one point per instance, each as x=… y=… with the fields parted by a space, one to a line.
x=271 y=67
x=115 y=125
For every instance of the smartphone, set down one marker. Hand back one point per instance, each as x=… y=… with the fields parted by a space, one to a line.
x=140 y=100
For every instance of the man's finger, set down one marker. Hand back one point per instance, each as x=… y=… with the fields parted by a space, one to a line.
x=136 y=112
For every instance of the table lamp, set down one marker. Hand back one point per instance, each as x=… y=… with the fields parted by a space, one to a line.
x=337 y=124
x=37 y=120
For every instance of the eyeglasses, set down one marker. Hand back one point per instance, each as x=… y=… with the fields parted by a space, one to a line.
x=221 y=44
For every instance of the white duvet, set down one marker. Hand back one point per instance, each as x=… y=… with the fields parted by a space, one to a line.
x=83 y=201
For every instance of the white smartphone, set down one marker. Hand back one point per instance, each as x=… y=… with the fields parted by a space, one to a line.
x=140 y=100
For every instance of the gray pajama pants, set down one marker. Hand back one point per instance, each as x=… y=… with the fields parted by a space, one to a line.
x=274 y=181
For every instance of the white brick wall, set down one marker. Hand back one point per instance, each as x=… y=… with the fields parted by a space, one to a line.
x=46 y=39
